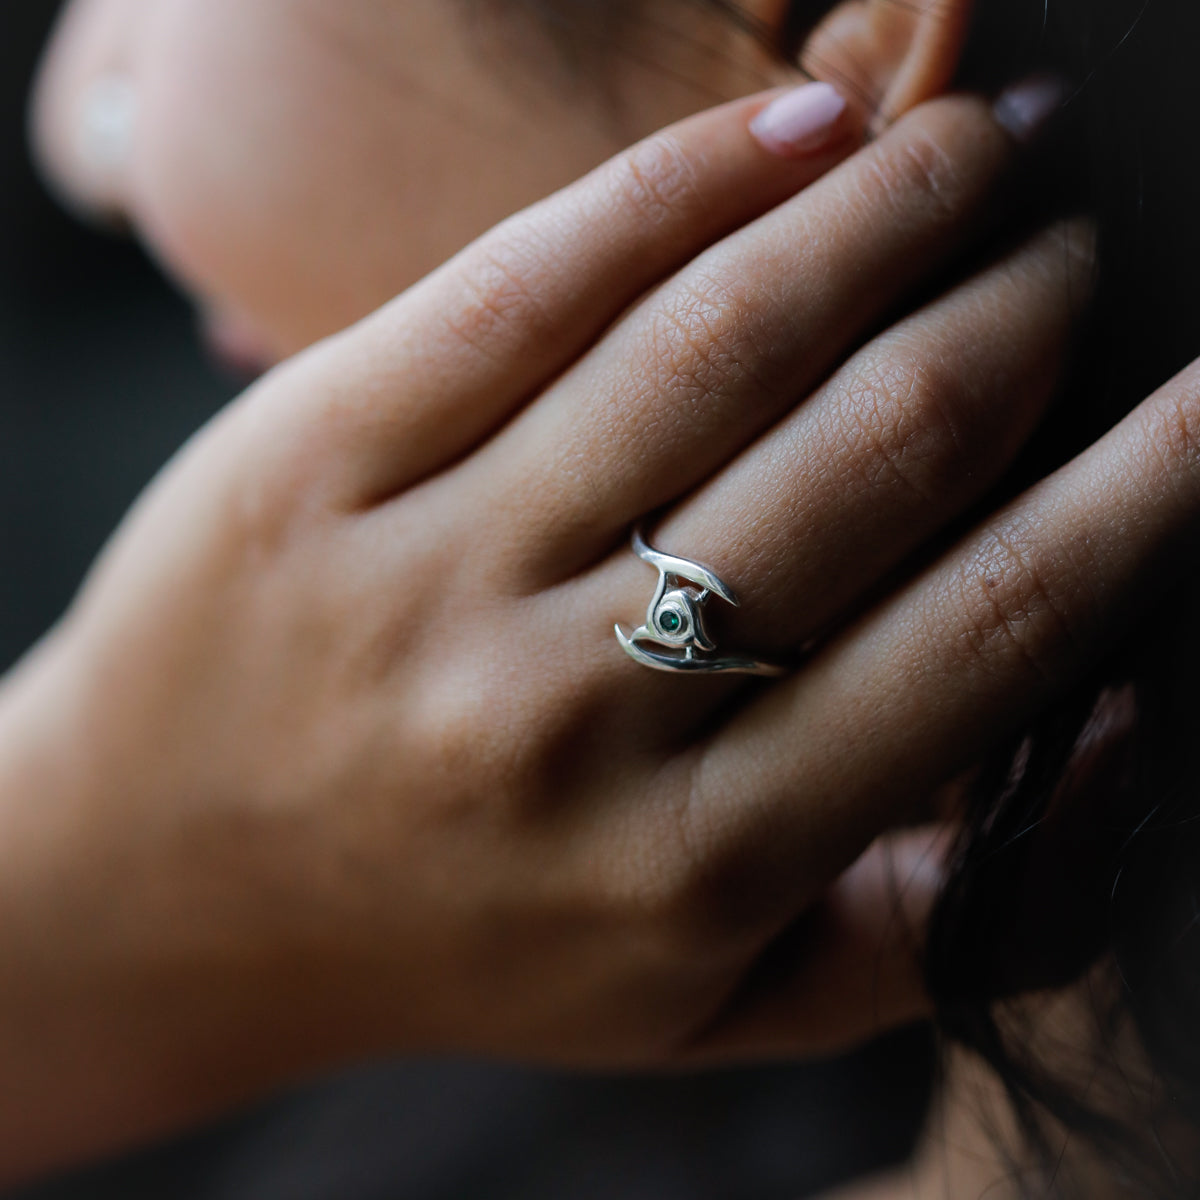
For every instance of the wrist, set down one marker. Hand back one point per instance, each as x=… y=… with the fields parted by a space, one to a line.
x=117 y=1023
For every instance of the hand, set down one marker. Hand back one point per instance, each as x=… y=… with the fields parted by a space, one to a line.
x=337 y=753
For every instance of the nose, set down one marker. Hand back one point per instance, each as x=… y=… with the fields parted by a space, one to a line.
x=83 y=117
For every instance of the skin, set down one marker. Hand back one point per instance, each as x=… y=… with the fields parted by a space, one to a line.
x=402 y=105
x=336 y=753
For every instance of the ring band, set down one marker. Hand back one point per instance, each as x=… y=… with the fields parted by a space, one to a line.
x=674 y=637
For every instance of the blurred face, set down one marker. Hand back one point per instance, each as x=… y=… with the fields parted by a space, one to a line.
x=294 y=163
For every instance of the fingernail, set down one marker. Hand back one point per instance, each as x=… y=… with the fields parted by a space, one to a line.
x=1024 y=107
x=108 y=111
x=799 y=121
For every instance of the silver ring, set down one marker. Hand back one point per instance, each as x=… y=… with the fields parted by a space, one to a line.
x=674 y=637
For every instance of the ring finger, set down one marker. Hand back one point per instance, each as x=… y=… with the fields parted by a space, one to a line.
x=916 y=426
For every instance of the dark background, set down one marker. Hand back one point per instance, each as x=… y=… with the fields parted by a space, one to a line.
x=101 y=381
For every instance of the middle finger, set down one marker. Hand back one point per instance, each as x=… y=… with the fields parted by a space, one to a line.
x=717 y=354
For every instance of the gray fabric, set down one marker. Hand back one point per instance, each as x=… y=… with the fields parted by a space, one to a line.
x=459 y=1131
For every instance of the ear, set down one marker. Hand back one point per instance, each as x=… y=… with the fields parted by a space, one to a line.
x=892 y=54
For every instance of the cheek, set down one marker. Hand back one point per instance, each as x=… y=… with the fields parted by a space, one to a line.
x=295 y=163
x=297 y=179
x=245 y=181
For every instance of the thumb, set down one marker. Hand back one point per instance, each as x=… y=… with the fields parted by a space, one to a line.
x=848 y=969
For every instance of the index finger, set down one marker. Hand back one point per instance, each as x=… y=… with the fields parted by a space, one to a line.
x=454 y=356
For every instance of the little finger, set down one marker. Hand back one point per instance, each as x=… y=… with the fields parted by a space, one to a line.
x=960 y=658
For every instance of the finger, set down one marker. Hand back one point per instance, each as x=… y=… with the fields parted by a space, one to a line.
x=716 y=355
x=848 y=970
x=912 y=430
x=916 y=426
x=419 y=383
x=960 y=658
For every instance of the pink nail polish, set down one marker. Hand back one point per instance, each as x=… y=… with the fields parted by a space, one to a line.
x=1024 y=107
x=799 y=121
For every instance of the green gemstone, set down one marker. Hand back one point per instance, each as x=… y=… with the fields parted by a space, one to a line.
x=671 y=622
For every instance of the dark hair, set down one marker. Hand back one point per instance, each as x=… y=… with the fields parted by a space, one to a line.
x=1080 y=850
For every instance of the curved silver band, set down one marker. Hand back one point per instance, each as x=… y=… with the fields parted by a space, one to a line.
x=674 y=637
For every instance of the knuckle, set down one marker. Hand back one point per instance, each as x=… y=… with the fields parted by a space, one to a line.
x=907 y=427
x=1173 y=434
x=709 y=342
x=686 y=914
x=1022 y=612
x=1060 y=263
x=916 y=177
x=499 y=306
x=697 y=886
x=518 y=741
x=657 y=182
x=465 y=764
